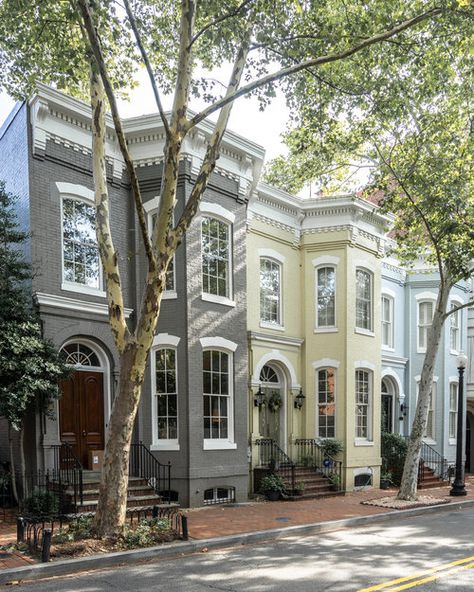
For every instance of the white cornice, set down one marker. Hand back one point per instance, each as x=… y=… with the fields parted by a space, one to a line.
x=65 y=303
x=281 y=340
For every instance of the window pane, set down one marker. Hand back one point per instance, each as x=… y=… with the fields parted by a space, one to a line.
x=326 y=294
x=363 y=300
x=215 y=257
x=166 y=393
x=216 y=407
x=270 y=291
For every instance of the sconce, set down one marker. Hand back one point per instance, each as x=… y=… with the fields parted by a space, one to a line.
x=299 y=399
x=259 y=398
x=403 y=411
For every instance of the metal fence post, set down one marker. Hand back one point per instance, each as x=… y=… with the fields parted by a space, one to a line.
x=20 y=530
x=184 y=527
x=46 y=547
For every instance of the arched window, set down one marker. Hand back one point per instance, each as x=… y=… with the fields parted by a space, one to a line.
x=78 y=354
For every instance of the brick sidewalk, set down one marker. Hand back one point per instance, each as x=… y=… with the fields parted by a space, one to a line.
x=222 y=520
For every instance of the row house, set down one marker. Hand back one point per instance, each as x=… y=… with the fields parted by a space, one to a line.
x=270 y=298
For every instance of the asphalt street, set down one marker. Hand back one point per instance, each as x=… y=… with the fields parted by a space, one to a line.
x=426 y=553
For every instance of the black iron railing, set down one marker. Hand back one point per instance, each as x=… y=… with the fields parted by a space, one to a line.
x=431 y=459
x=143 y=464
x=67 y=472
x=274 y=458
x=309 y=454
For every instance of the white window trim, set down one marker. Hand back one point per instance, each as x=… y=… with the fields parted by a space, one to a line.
x=326 y=363
x=326 y=261
x=361 y=330
x=228 y=347
x=325 y=328
x=225 y=217
x=419 y=302
x=163 y=341
x=455 y=299
x=433 y=401
x=391 y=300
x=316 y=390
x=82 y=194
x=453 y=380
x=271 y=254
x=267 y=324
x=370 y=368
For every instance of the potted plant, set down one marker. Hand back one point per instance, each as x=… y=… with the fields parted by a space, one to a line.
x=335 y=481
x=330 y=447
x=272 y=486
x=385 y=479
x=299 y=488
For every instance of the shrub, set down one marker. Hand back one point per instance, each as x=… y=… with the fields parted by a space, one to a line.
x=330 y=447
x=41 y=503
x=393 y=452
x=79 y=528
x=272 y=482
x=146 y=533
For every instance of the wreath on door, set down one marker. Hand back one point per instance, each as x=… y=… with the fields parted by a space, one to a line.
x=275 y=402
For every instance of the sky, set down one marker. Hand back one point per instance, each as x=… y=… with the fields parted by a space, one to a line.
x=264 y=128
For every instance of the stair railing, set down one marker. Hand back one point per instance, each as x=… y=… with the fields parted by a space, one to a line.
x=68 y=471
x=431 y=460
x=309 y=454
x=144 y=465
x=274 y=458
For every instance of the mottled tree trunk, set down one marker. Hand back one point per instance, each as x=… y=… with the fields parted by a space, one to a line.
x=408 y=487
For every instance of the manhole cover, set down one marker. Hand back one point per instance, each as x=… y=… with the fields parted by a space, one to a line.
x=282 y=519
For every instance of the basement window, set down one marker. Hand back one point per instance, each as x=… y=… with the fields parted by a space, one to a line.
x=363 y=480
x=219 y=495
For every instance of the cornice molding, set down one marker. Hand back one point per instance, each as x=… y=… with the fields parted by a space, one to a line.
x=74 y=304
x=279 y=339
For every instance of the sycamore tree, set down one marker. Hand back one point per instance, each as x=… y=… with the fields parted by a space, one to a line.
x=324 y=55
x=427 y=177
x=30 y=366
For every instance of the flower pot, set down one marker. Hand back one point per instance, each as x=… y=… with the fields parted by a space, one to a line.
x=272 y=496
x=384 y=483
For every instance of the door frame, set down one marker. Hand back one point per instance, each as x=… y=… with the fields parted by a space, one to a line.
x=283 y=411
x=104 y=369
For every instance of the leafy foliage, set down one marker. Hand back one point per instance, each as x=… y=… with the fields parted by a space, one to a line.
x=393 y=452
x=272 y=482
x=30 y=366
x=40 y=504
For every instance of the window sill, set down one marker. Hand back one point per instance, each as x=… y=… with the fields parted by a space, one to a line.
x=429 y=441
x=421 y=350
x=273 y=326
x=170 y=445
x=169 y=295
x=363 y=442
x=218 y=299
x=80 y=289
x=454 y=352
x=366 y=332
x=326 y=330
x=452 y=441
x=219 y=445
x=388 y=348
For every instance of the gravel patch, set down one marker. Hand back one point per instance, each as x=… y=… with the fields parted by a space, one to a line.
x=395 y=504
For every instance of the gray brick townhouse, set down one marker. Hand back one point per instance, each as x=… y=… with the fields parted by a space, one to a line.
x=193 y=411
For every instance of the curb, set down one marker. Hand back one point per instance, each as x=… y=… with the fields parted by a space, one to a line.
x=68 y=566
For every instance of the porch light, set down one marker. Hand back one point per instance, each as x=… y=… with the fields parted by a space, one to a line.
x=299 y=399
x=259 y=398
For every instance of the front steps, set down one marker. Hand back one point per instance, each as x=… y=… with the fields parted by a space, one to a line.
x=316 y=485
x=139 y=494
x=430 y=480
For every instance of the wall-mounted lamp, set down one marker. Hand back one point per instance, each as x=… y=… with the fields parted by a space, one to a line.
x=299 y=399
x=403 y=411
x=259 y=398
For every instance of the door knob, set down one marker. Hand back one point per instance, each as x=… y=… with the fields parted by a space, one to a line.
x=84 y=433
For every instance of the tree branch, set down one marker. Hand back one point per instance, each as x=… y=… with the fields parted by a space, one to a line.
x=218 y=20
x=313 y=62
x=146 y=61
x=95 y=47
x=460 y=307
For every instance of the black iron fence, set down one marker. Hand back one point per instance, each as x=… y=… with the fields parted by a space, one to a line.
x=143 y=464
x=309 y=454
x=274 y=458
x=67 y=472
x=432 y=463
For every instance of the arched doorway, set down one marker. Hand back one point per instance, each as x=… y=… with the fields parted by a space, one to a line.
x=81 y=406
x=387 y=405
x=272 y=415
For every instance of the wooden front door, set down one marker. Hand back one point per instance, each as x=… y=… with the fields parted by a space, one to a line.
x=81 y=413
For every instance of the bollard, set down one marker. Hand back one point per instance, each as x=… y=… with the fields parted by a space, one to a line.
x=184 y=527
x=46 y=547
x=20 y=530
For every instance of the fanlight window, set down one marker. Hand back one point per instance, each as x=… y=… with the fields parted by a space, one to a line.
x=268 y=375
x=78 y=354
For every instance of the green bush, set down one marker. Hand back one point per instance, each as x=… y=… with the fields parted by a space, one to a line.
x=330 y=447
x=146 y=533
x=393 y=452
x=79 y=528
x=41 y=503
x=272 y=482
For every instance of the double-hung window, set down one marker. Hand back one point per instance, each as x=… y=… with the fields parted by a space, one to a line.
x=363 y=400
x=364 y=308
x=454 y=329
x=453 y=409
x=326 y=297
x=387 y=321
x=81 y=264
x=170 y=272
x=326 y=387
x=217 y=392
x=216 y=257
x=166 y=395
x=425 y=317
x=270 y=291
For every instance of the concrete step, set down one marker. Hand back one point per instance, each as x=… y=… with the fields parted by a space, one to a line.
x=132 y=502
x=321 y=495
